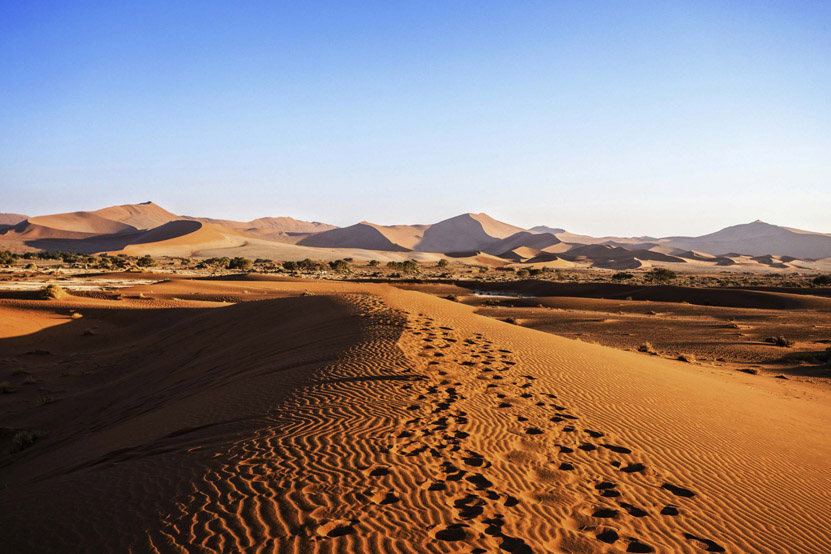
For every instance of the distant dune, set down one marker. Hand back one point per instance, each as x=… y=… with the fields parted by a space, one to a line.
x=369 y=236
x=759 y=239
x=465 y=232
x=9 y=220
x=270 y=224
x=141 y=216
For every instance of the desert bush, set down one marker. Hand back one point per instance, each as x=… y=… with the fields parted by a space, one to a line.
x=822 y=280
x=621 y=276
x=6 y=257
x=780 y=341
x=311 y=265
x=407 y=267
x=243 y=264
x=45 y=399
x=511 y=320
x=442 y=263
x=218 y=263
x=661 y=275
x=54 y=292
x=648 y=348
x=6 y=388
x=146 y=261
x=523 y=273
x=340 y=266
x=24 y=439
x=374 y=263
x=689 y=358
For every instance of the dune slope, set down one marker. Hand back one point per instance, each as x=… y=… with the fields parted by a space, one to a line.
x=370 y=419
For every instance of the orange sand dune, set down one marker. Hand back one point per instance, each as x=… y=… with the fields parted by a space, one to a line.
x=301 y=416
x=368 y=236
x=465 y=232
x=266 y=225
x=81 y=222
x=183 y=238
x=141 y=216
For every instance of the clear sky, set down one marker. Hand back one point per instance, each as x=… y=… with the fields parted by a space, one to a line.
x=624 y=118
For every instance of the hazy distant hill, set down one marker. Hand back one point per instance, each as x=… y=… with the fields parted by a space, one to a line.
x=11 y=219
x=758 y=239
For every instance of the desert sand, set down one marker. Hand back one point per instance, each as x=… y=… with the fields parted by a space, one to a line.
x=250 y=414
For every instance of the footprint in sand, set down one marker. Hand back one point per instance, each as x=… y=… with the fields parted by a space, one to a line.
x=336 y=528
x=704 y=544
x=638 y=547
x=678 y=491
x=633 y=511
x=453 y=532
x=669 y=510
x=383 y=498
x=633 y=468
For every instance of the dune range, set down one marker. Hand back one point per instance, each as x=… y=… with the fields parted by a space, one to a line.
x=475 y=238
x=281 y=415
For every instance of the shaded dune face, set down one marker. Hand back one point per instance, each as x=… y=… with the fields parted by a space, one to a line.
x=367 y=419
x=361 y=235
x=465 y=232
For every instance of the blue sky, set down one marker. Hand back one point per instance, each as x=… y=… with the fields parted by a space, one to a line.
x=601 y=117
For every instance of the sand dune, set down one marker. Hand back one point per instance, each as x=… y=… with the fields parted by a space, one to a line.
x=183 y=238
x=143 y=216
x=369 y=419
x=265 y=225
x=10 y=220
x=615 y=257
x=465 y=232
x=369 y=236
x=81 y=222
x=523 y=239
x=759 y=239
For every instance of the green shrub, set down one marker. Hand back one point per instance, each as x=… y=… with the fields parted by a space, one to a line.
x=822 y=280
x=621 y=276
x=442 y=263
x=24 y=439
x=243 y=264
x=146 y=261
x=311 y=265
x=407 y=267
x=661 y=275
x=340 y=266
x=780 y=341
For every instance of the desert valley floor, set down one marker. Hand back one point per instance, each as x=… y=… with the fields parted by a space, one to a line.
x=287 y=415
